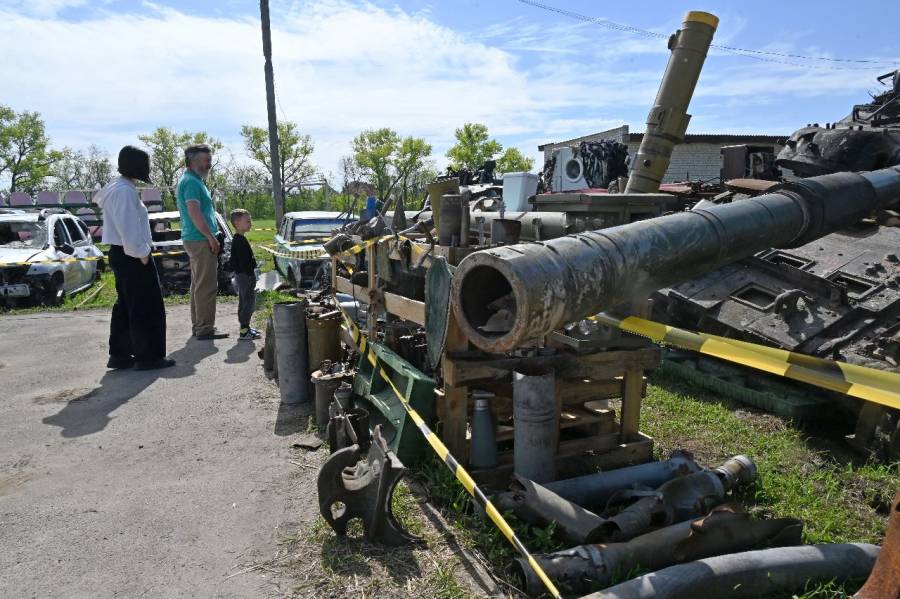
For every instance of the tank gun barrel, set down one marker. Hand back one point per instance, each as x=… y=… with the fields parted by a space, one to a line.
x=545 y=285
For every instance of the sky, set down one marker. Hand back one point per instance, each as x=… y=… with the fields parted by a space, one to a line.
x=103 y=72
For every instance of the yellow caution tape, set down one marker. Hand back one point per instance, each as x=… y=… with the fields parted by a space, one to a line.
x=311 y=240
x=869 y=384
x=444 y=454
x=86 y=259
x=295 y=254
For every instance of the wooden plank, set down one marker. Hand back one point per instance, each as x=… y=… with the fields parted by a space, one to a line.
x=578 y=391
x=456 y=398
x=609 y=364
x=405 y=308
x=568 y=418
x=345 y=286
x=402 y=307
x=468 y=373
x=372 y=316
x=631 y=405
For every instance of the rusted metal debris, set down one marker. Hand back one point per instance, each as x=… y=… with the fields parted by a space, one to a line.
x=725 y=530
x=884 y=581
x=352 y=487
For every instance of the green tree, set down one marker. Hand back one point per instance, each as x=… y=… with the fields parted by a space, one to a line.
x=386 y=160
x=167 y=154
x=81 y=170
x=513 y=161
x=474 y=147
x=25 y=153
x=294 y=152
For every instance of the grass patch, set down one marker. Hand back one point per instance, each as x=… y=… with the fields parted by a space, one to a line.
x=332 y=566
x=256 y=238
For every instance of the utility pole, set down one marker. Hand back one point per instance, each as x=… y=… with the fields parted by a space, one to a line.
x=277 y=192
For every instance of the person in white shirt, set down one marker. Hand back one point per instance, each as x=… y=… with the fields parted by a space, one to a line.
x=137 y=329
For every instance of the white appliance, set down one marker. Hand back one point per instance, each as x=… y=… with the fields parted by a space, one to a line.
x=568 y=172
x=517 y=188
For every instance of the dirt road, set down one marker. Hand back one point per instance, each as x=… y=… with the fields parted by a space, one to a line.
x=141 y=484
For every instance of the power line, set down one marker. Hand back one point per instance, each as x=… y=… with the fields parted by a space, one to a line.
x=761 y=55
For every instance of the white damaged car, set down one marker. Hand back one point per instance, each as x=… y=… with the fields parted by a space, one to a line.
x=44 y=256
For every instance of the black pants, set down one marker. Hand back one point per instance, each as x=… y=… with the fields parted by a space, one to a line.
x=245 y=286
x=138 y=324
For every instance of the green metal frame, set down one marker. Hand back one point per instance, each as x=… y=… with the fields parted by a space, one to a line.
x=374 y=394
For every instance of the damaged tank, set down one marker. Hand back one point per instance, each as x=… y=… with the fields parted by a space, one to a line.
x=837 y=297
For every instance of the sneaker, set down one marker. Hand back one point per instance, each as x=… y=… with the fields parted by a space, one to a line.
x=214 y=335
x=118 y=362
x=255 y=331
x=248 y=335
x=154 y=364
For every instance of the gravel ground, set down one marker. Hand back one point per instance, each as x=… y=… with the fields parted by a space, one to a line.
x=179 y=483
x=141 y=484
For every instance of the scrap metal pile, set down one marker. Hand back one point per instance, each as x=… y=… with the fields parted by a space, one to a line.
x=478 y=319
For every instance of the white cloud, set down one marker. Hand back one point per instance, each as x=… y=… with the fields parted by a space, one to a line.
x=41 y=8
x=341 y=67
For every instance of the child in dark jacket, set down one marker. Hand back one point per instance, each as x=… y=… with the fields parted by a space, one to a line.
x=243 y=267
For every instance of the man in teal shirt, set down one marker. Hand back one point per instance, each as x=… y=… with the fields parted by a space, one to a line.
x=198 y=232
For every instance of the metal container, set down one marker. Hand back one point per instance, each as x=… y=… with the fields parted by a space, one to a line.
x=535 y=425
x=435 y=191
x=451 y=220
x=289 y=319
x=323 y=334
x=483 y=452
x=344 y=395
x=325 y=384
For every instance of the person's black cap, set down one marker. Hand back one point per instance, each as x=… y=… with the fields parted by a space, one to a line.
x=134 y=163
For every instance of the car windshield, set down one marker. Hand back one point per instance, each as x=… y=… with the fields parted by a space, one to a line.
x=304 y=229
x=23 y=234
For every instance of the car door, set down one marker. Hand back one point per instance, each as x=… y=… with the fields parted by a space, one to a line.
x=69 y=268
x=85 y=270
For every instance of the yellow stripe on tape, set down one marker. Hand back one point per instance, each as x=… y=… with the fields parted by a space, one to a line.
x=878 y=386
x=444 y=454
x=72 y=260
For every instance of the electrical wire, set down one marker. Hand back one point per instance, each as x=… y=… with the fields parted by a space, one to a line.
x=761 y=55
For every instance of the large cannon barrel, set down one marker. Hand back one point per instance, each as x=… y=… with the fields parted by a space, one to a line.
x=668 y=119
x=507 y=295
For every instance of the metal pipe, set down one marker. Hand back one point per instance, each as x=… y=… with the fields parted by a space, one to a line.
x=536 y=505
x=668 y=119
x=289 y=319
x=593 y=491
x=723 y=531
x=750 y=574
x=682 y=498
x=534 y=425
x=546 y=285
